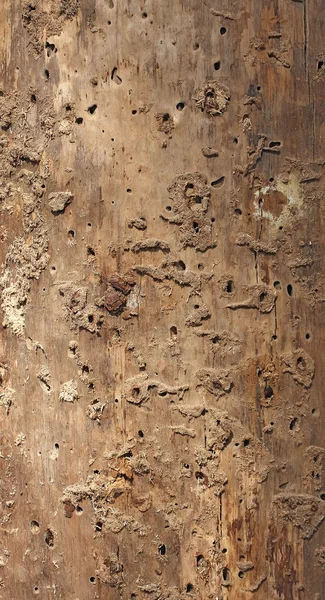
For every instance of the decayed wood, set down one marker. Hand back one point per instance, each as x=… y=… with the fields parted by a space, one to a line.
x=162 y=291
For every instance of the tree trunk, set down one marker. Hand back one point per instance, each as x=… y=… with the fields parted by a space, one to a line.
x=162 y=287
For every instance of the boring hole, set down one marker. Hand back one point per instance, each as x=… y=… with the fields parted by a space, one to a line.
x=91 y=109
x=268 y=391
x=277 y=285
x=162 y=549
x=49 y=538
x=79 y=120
x=140 y=433
x=218 y=182
x=34 y=527
x=223 y=30
x=180 y=106
x=226 y=574
x=293 y=424
x=99 y=526
x=46 y=74
x=229 y=286
x=289 y=289
x=217 y=65
x=173 y=332
x=115 y=77
x=79 y=510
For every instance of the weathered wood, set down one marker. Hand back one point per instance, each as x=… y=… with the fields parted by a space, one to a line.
x=162 y=292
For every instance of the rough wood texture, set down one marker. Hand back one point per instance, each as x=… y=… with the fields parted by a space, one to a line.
x=162 y=171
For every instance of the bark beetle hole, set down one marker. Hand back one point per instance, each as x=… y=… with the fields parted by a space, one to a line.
x=320 y=64
x=189 y=587
x=229 y=286
x=268 y=391
x=235 y=140
x=144 y=15
x=182 y=265
x=162 y=549
x=223 y=30
x=199 y=475
x=301 y=363
x=90 y=318
x=322 y=496
x=186 y=466
x=307 y=336
x=57 y=446
x=99 y=526
x=218 y=182
x=92 y=579
x=71 y=234
x=90 y=251
x=79 y=120
x=246 y=442
x=134 y=112
x=289 y=289
x=226 y=574
x=196 y=46
x=293 y=424
x=196 y=227
x=277 y=285
x=224 y=550
x=241 y=574
x=140 y=433
x=49 y=538
x=129 y=191
x=217 y=65
x=36 y=590
x=91 y=109
x=180 y=105
x=33 y=98
x=34 y=526
x=168 y=208
x=46 y=74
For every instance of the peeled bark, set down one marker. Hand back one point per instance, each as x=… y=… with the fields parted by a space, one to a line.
x=162 y=288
